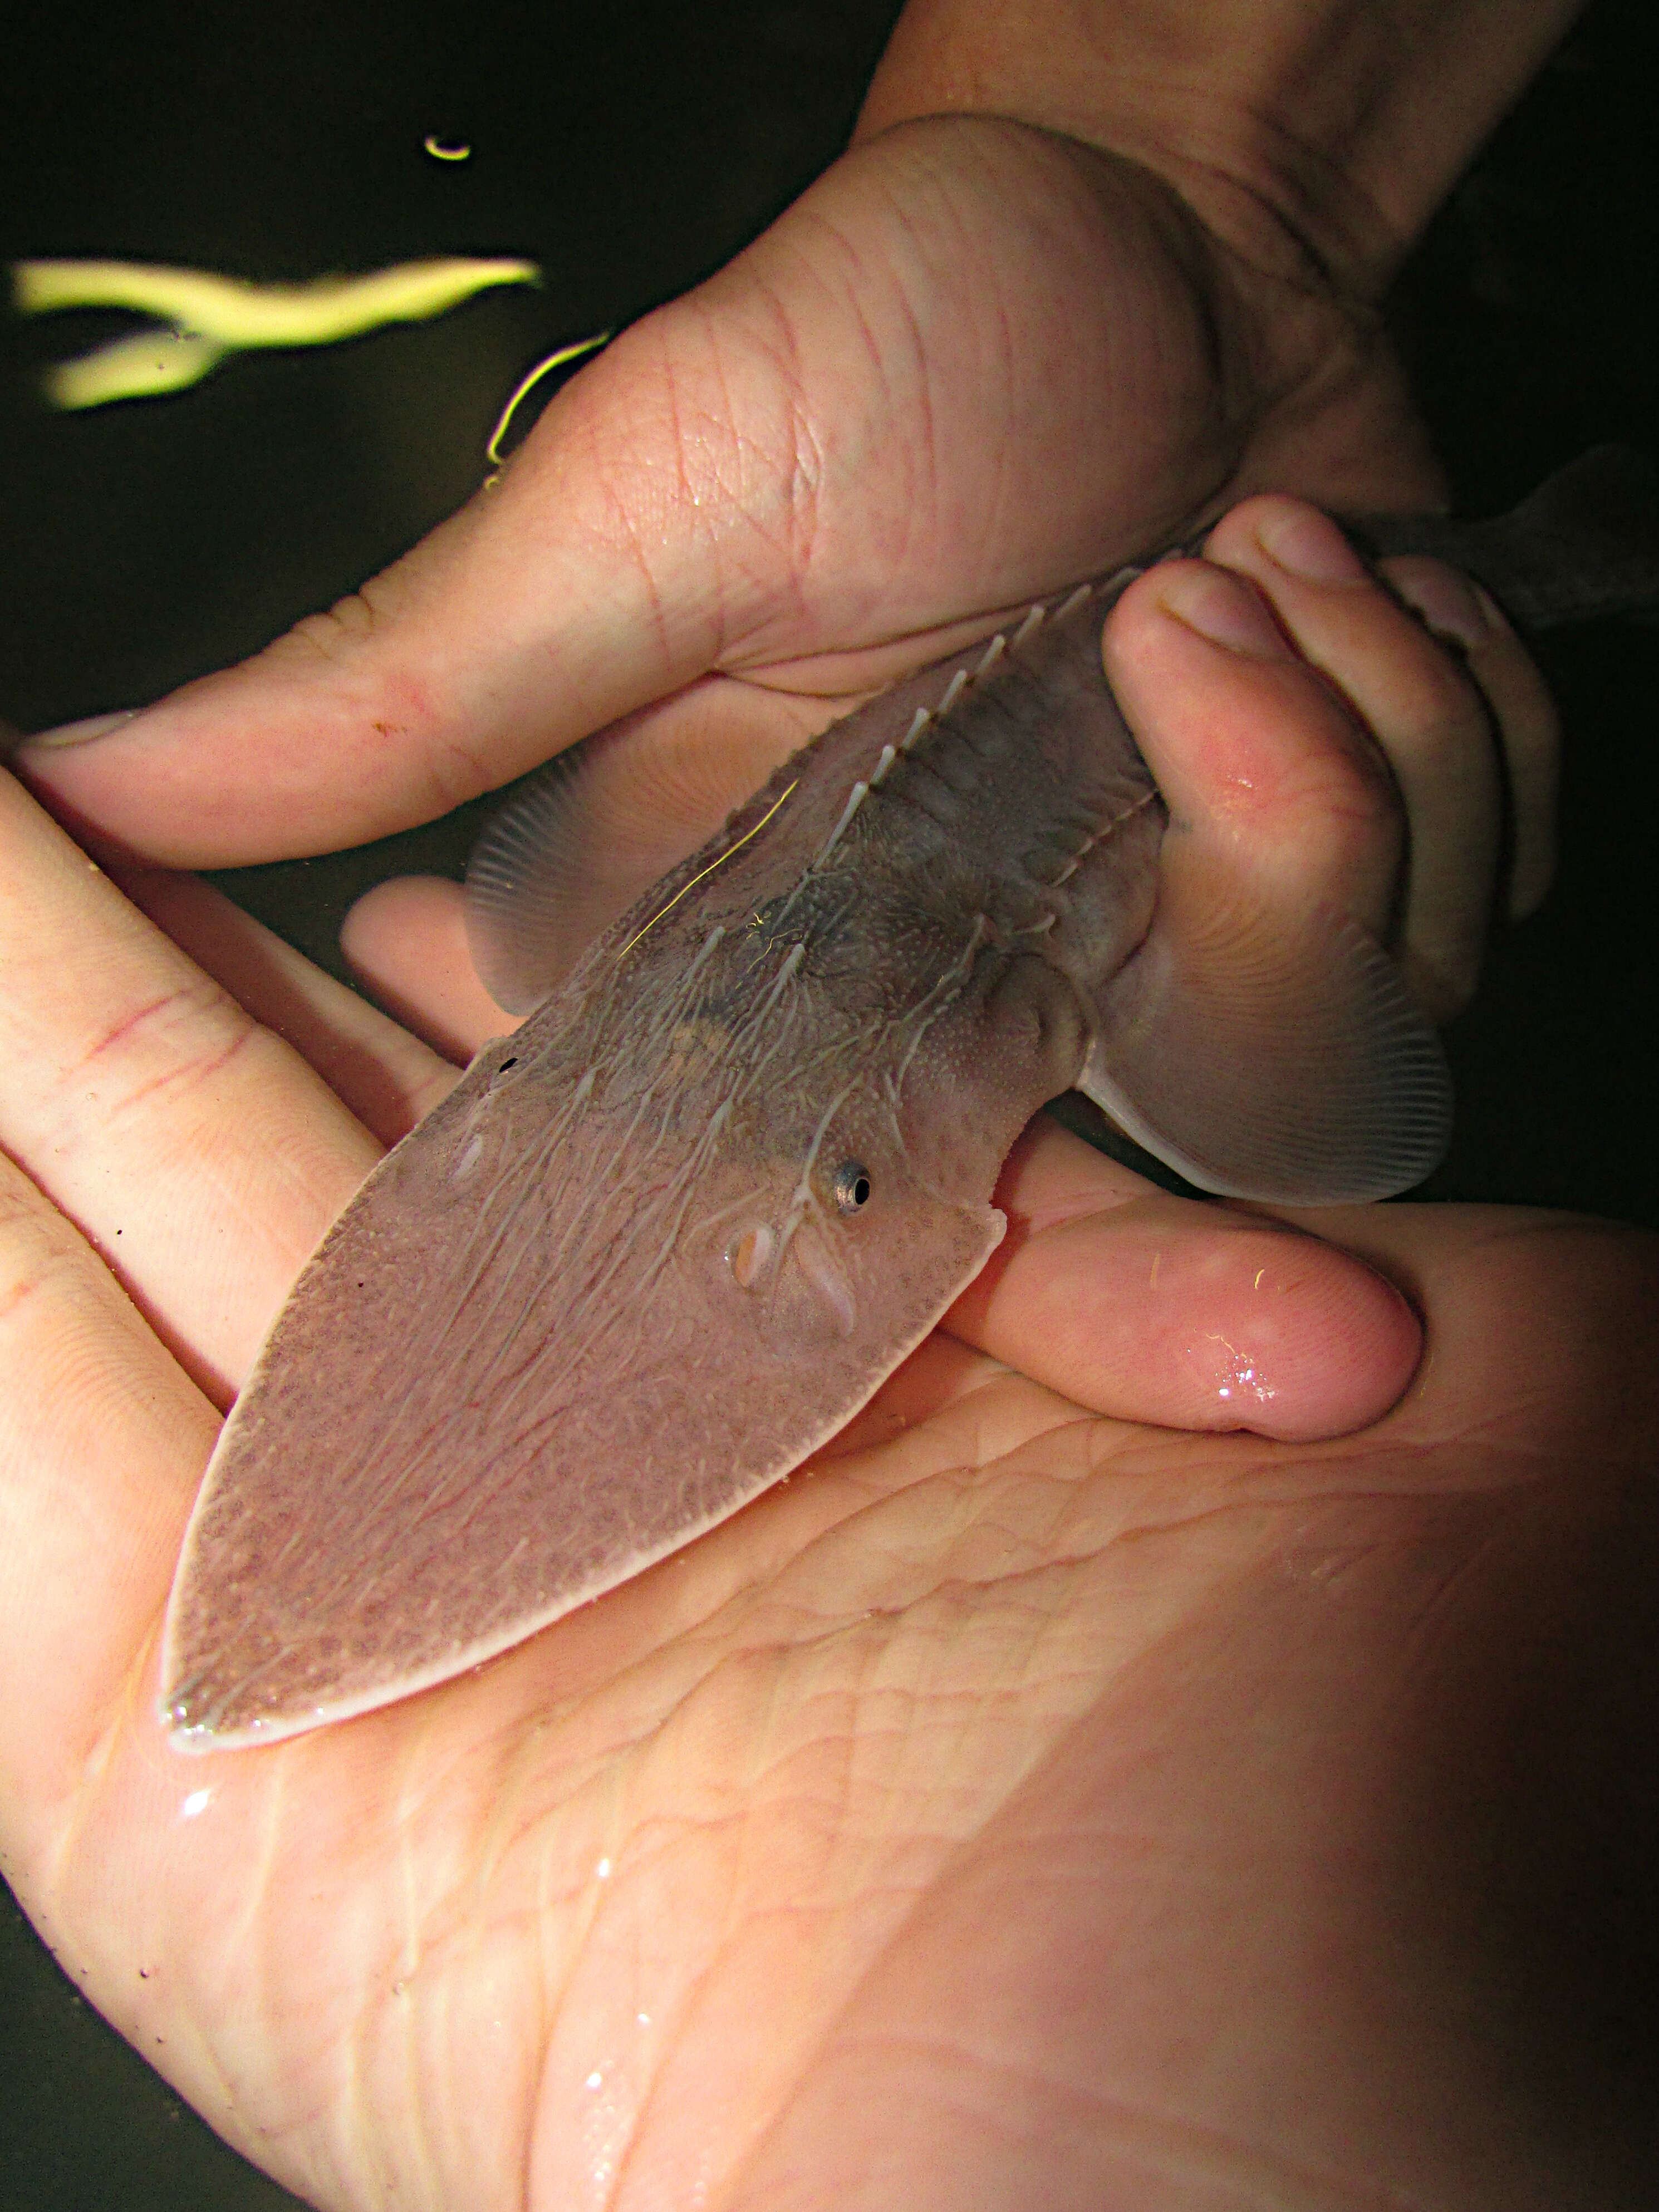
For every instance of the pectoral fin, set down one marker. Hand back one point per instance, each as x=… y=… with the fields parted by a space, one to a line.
x=1271 y=1057
x=593 y=830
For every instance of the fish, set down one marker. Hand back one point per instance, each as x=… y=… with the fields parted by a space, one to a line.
x=665 y=1240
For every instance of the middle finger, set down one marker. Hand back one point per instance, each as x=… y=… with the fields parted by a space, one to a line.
x=1428 y=718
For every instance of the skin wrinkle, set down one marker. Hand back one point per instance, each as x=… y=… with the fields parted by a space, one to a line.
x=382 y=1077
x=453 y=769
x=54 y=1264
x=193 y=1072
x=805 y=471
x=808 y=467
x=671 y=2029
x=353 y=2104
x=958 y=1474
x=777 y=344
x=617 y=474
x=550 y=1987
x=481 y=1939
x=397 y=2009
x=693 y=1990
x=829 y=2035
x=1265 y=2175
x=852 y=294
x=1418 y=1648
x=1212 y=251
x=191 y=1000
x=1106 y=177
x=336 y=633
x=84 y=1771
x=449 y=2023
x=927 y=441
x=998 y=502
x=152 y=1027
x=723 y=507
x=256 y=1891
x=94 y=1764
x=727 y=551
x=851 y=301
x=688 y=481
x=1325 y=268
x=1350 y=266
x=735 y=1818
x=685 y=2013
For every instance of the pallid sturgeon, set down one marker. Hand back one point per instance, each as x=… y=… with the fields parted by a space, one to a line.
x=667 y=1239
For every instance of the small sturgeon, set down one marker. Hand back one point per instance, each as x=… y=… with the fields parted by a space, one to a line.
x=665 y=1241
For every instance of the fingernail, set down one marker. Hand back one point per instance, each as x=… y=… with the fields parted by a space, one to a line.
x=1226 y=609
x=1448 y=603
x=81 y=733
x=1496 y=618
x=1310 y=545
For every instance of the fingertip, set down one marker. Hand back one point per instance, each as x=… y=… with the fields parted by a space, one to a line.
x=1294 y=534
x=1533 y=871
x=85 y=731
x=1246 y=1325
x=1224 y=610
x=1445 y=600
x=1340 y=1342
x=406 y=942
x=1149 y=1308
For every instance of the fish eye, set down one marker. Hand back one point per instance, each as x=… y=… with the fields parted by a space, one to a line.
x=852 y=1186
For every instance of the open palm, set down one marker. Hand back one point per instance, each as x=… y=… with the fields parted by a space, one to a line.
x=1031 y=1802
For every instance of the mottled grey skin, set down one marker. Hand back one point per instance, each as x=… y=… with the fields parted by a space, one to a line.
x=661 y=1244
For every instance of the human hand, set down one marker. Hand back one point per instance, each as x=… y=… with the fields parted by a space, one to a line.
x=973 y=363
x=1022 y=1804
x=416 y=1949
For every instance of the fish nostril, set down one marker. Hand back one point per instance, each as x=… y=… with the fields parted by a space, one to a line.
x=852 y=1186
x=748 y=1255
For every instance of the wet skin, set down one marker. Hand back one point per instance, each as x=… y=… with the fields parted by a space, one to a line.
x=1025 y=1684
x=1148 y=1733
x=665 y=1241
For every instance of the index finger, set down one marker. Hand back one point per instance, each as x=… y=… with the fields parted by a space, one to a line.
x=201 y=1155
x=1152 y=1308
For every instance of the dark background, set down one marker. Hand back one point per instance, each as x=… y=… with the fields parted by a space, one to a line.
x=629 y=150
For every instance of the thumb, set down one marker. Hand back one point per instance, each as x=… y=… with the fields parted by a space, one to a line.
x=844 y=453
x=540 y=611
